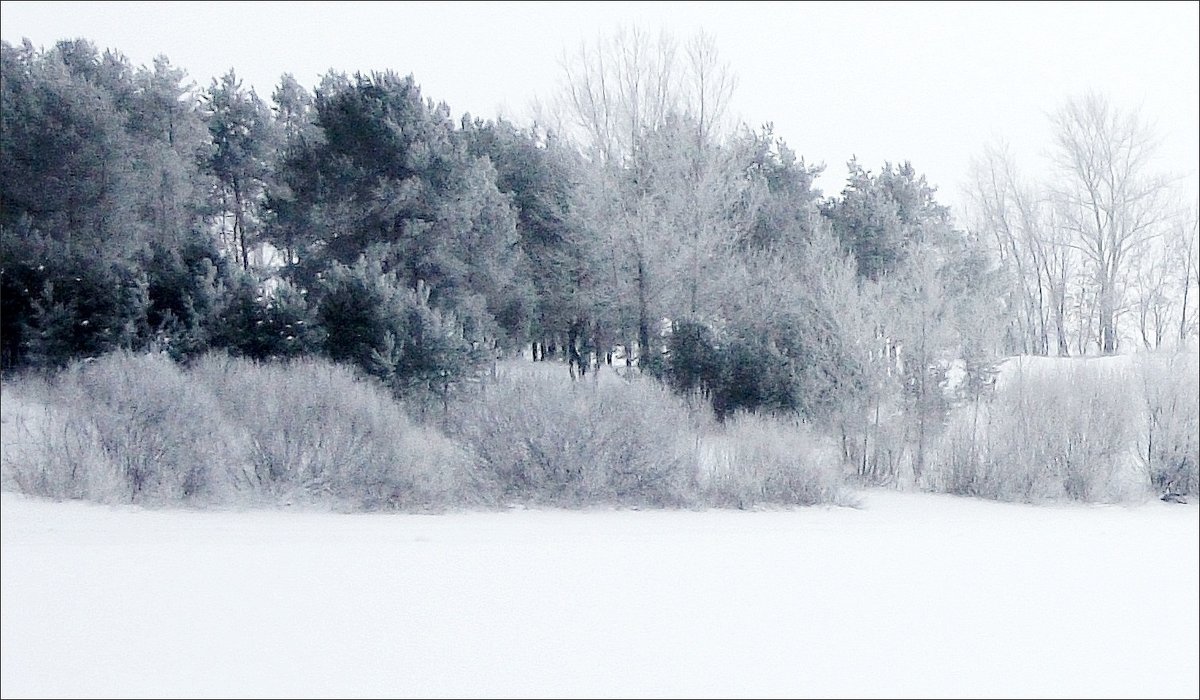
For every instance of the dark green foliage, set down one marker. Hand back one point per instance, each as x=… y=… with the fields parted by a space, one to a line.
x=391 y=332
x=238 y=319
x=249 y=322
x=182 y=290
x=22 y=278
x=880 y=217
x=240 y=126
x=101 y=205
x=292 y=324
x=358 y=308
x=390 y=179
x=788 y=212
x=65 y=150
x=86 y=308
x=755 y=376
x=789 y=364
x=748 y=368
x=692 y=361
x=537 y=173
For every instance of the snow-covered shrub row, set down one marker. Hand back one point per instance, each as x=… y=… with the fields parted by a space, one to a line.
x=43 y=446
x=1086 y=431
x=125 y=428
x=543 y=441
x=129 y=427
x=139 y=428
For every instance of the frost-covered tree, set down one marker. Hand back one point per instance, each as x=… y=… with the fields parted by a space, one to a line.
x=240 y=124
x=1108 y=196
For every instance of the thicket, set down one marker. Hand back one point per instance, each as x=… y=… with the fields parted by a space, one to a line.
x=231 y=431
x=1085 y=433
x=360 y=224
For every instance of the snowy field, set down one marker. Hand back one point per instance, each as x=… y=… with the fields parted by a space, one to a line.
x=911 y=595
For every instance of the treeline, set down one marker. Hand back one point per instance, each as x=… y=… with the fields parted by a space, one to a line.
x=361 y=222
x=137 y=209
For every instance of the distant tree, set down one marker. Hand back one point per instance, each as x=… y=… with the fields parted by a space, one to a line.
x=182 y=288
x=390 y=178
x=661 y=192
x=65 y=149
x=1107 y=196
x=99 y=167
x=879 y=217
x=1183 y=247
x=240 y=124
x=86 y=308
x=296 y=135
x=693 y=360
x=249 y=321
x=786 y=209
x=171 y=144
x=541 y=176
x=392 y=332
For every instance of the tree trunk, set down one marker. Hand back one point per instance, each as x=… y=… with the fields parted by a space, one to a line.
x=239 y=228
x=643 y=313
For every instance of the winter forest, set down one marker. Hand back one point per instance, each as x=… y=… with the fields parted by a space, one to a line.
x=336 y=391
x=160 y=235
x=357 y=233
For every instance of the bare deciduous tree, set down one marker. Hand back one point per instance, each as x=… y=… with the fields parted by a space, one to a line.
x=618 y=89
x=1184 y=247
x=710 y=85
x=1011 y=216
x=1107 y=197
x=649 y=120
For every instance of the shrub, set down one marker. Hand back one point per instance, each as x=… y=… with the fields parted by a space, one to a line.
x=547 y=440
x=764 y=459
x=87 y=307
x=182 y=291
x=320 y=431
x=1170 y=442
x=785 y=364
x=47 y=450
x=129 y=427
x=1062 y=435
x=692 y=361
x=252 y=323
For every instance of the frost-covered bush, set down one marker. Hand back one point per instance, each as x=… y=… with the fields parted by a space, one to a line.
x=1170 y=441
x=549 y=441
x=320 y=431
x=45 y=449
x=127 y=427
x=1066 y=434
x=132 y=427
x=758 y=459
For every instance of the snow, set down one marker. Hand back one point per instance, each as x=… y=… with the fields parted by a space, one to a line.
x=909 y=595
x=1120 y=366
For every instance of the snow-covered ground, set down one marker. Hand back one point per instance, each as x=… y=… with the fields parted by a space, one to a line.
x=910 y=595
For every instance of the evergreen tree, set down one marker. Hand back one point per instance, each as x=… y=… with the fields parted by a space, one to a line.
x=240 y=125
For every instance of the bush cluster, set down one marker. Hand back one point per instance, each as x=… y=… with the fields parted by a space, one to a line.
x=540 y=440
x=1088 y=434
x=765 y=459
x=140 y=428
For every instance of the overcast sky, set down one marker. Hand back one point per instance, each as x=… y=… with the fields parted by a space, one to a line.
x=926 y=82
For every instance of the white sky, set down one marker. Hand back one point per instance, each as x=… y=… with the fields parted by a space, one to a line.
x=926 y=82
